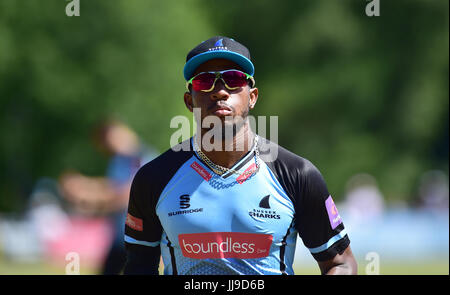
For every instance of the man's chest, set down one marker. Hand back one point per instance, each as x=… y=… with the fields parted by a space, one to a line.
x=256 y=206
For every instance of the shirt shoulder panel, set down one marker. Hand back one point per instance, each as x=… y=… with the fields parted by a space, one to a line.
x=298 y=176
x=316 y=218
x=160 y=170
x=143 y=225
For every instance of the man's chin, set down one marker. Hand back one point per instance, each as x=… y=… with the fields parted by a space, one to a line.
x=227 y=123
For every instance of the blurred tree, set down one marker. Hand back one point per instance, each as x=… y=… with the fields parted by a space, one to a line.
x=61 y=75
x=353 y=93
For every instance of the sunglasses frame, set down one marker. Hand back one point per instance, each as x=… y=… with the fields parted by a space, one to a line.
x=219 y=76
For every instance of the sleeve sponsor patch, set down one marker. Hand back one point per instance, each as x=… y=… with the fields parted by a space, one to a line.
x=333 y=214
x=134 y=222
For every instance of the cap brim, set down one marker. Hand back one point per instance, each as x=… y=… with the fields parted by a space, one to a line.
x=193 y=63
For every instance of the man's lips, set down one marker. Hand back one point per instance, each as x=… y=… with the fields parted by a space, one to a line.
x=221 y=110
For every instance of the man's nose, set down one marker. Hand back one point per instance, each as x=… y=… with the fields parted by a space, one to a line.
x=220 y=92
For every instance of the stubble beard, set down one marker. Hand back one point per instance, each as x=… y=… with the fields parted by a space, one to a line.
x=232 y=134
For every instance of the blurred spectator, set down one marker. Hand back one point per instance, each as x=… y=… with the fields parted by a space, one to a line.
x=69 y=215
x=46 y=214
x=434 y=190
x=109 y=195
x=363 y=199
x=25 y=239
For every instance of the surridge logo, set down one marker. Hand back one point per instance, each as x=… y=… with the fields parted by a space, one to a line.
x=264 y=204
x=185 y=204
x=184 y=201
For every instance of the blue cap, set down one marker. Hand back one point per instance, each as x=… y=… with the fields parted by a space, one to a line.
x=218 y=47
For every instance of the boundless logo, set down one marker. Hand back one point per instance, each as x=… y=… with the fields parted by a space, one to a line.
x=185 y=204
x=263 y=212
x=225 y=245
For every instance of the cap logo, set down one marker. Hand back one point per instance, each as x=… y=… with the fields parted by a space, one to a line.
x=218 y=46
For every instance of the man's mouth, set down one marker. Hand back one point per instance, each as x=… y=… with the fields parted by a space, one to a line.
x=221 y=110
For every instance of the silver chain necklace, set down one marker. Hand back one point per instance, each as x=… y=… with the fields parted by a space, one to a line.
x=220 y=170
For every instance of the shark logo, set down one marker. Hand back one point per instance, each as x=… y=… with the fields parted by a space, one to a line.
x=264 y=211
x=218 y=46
x=264 y=203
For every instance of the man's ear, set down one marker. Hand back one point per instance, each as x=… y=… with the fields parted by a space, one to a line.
x=188 y=101
x=253 y=97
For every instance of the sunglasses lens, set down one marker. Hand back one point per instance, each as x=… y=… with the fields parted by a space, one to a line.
x=234 y=79
x=203 y=81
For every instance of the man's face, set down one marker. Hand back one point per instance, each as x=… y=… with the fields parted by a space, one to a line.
x=222 y=102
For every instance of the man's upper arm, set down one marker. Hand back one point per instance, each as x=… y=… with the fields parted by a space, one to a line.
x=343 y=263
x=142 y=260
x=143 y=229
x=317 y=219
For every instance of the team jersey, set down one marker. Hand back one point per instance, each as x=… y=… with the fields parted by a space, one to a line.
x=235 y=223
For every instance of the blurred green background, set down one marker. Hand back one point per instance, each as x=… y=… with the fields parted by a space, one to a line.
x=354 y=94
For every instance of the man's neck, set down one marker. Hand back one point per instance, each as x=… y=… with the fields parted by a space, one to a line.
x=231 y=150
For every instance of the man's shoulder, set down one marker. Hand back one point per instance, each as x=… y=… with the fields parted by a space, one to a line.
x=166 y=163
x=279 y=158
x=296 y=174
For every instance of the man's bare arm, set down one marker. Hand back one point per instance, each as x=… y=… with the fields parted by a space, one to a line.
x=341 y=264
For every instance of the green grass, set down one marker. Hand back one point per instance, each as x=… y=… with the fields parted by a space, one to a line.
x=440 y=267
x=14 y=268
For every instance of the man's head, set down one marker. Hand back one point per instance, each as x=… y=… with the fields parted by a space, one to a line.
x=114 y=137
x=227 y=96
